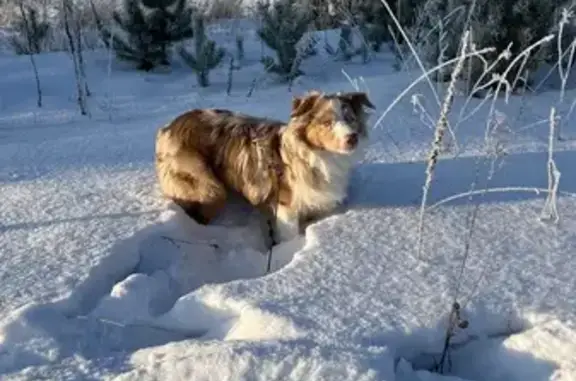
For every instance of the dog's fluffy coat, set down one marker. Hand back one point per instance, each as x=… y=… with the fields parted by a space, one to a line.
x=297 y=170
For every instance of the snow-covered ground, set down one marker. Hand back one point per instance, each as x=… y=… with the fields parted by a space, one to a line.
x=102 y=279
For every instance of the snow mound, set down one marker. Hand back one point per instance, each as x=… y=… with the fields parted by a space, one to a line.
x=544 y=352
x=272 y=361
x=182 y=256
x=148 y=292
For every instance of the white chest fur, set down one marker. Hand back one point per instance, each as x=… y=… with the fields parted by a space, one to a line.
x=321 y=196
x=332 y=187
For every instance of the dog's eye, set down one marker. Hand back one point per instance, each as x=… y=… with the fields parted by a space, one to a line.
x=348 y=114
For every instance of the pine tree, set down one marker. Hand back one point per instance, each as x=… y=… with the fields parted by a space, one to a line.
x=323 y=14
x=31 y=32
x=344 y=15
x=170 y=21
x=151 y=27
x=438 y=30
x=509 y=24
x=345 y=44
x=283 y=26
x=375 y=21
x=520 y=22
x=565 y=35
x=207 y=55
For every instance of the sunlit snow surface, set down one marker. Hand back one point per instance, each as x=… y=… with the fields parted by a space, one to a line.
x=101 y=279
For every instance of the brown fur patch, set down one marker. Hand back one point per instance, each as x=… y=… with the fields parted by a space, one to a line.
x=203 y=152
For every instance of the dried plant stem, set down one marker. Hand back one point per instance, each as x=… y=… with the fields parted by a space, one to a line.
x=550 y=210
x=426 y=75
x=411 y=47
x=455 y=322
x=496 y=190
x=440 y=129
x=564 y=73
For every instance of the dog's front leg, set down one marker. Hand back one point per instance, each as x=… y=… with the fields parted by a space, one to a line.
x=286 y=225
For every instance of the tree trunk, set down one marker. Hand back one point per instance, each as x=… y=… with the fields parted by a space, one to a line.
x=203 y=78
x=31 y=55
x=81 y=64
x=73 y=50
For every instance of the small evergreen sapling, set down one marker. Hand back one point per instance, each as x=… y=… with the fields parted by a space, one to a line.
x=346 y=49
x=283 y=26
x=170 y=21
x=138 y=45
x=150 y=26
x=207 y=55
x=376 y=23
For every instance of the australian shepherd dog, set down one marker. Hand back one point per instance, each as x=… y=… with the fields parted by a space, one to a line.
x=296 y=171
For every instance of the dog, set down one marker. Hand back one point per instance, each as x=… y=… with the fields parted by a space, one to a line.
x=295 y=172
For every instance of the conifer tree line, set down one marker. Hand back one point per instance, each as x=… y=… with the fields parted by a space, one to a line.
x=149 y=33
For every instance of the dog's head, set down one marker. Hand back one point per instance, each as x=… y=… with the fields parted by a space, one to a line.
x=331 y=122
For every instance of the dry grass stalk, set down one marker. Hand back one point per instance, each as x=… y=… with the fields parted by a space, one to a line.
x=439 y=131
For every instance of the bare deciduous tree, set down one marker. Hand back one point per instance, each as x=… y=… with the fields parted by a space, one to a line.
x=29 y=36
x=73 y=35
x=80 y=51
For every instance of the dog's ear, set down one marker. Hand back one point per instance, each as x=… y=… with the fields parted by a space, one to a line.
x=302 y=105
x=357 y=99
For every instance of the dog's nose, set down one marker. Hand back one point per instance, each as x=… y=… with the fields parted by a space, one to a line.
x=352 y=140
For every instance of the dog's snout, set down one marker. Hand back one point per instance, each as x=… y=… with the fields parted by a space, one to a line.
x=352 y=139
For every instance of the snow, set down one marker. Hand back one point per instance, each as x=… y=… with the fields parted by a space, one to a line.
x=102 y=279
